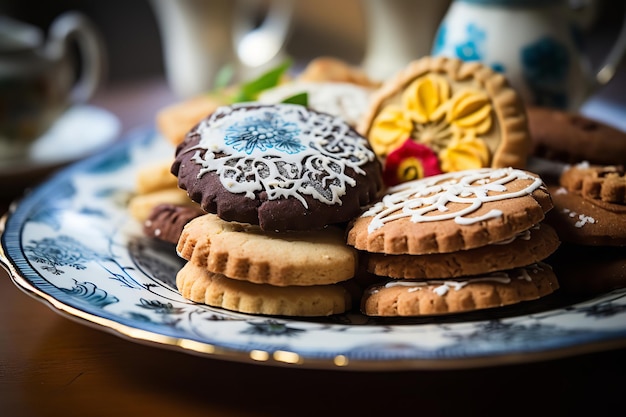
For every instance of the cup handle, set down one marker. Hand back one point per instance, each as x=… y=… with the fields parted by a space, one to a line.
x=73 y=26
x=614 y=58
x=260 y=45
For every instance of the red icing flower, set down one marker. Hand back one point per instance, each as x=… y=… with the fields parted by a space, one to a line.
x=410 y=161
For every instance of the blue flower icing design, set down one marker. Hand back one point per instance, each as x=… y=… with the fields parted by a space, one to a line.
x=263 y=134
x=317 y=151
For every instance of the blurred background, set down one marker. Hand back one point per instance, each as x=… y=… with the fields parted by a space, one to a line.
x=134 y=44
x=135 y=47
x=321 y=27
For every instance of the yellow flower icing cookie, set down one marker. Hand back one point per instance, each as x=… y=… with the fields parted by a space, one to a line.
x=465 y=112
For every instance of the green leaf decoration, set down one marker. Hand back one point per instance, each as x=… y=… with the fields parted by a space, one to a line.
x=300 y=98
x=250 y=90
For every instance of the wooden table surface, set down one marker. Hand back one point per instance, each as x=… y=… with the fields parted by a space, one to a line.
x=50 y=365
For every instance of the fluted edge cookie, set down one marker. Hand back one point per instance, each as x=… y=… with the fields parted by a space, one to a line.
x=438 y=297
x=199 y=285
x=597 y=183
x=245 y=252
x=458 y=115
x=453 y=211
x=526 y=248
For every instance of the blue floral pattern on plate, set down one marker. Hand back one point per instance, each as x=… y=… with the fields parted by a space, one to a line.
x=71 y=242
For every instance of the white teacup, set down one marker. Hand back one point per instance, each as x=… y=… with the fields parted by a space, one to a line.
x=200 y=37
x=535 y=43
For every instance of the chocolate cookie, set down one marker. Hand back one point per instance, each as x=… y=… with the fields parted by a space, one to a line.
x=572 y=138
x=283 y=167
x=166 y=221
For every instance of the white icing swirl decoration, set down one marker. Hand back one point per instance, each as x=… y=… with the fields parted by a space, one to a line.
x=285 y=150
x=419 y=199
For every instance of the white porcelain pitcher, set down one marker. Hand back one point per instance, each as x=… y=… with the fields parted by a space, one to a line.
x=397 y=32
x=535 y=43
x=200 y=37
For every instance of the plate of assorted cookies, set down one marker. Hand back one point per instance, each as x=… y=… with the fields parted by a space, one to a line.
x=327 y=220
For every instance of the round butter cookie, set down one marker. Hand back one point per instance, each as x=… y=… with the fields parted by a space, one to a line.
x=437 y=297
x=443 y=114
x=450 y=212
x=526 y=248
x=197 y=284
x=283 y=167
x=245 y=252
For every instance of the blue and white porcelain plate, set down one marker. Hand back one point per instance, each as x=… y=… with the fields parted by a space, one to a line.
x=72 y=244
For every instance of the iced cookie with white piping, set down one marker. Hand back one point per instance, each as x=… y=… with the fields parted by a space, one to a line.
x=476 y=234
x=283 y=167
x=454 y=211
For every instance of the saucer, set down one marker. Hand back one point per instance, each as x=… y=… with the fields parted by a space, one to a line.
x=79 y=132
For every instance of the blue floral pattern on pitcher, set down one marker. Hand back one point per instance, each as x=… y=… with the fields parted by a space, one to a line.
x=545 y=65
x=470 y=49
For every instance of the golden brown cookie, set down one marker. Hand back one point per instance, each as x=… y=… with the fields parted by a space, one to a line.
x=571 y=137
x=197 y=284
x=175 y=120
x=526 y=248
x=244 y=252
x=419 y=298
x=155 y=177
x=331 y=69
x=606 y=183
x=450 y=212
x=442 y=114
